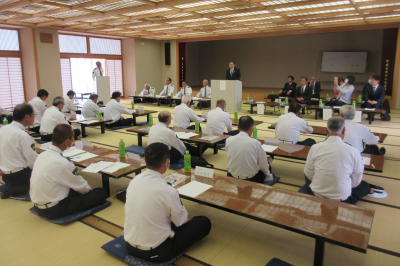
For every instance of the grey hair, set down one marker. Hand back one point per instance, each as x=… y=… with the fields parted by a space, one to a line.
x=163 y=116
x=58 y=100
x=335 y=124
x=348 y=112
x=205 y=80
x=186 y=98
x=98 y=62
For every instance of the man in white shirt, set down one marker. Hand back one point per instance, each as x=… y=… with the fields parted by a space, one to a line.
x=4 y=113
x=162 y=134
x=289 y=127
x=147 y=91
x=52 y=117
x=69 y=103
x=57 y=189
x=157 y=227
x=185 y=90
x=345 y=91
x=113 y=112
x=167 y=90
x=90 y=108
x=183 y=114
x=17 y=152
x=335 y=168
x=98 y=71
x=357 y=134
x=246 y=157
x=205 y=93
x=39 y=106
x=218 y=119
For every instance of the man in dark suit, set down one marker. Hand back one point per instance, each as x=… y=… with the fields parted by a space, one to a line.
x=289 y=89
x=233 y=73
x=303 y=93
x=366 y=88
x=315 y=87
x=374 y=94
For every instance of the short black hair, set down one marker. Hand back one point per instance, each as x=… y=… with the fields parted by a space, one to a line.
x=351 y=80
x=93 y=96
x=340 y=79
x=22 y=110
x=245 y=123
x=303 y=78
x=220 y=101
x=232 y=62
x=291 y=77
x=184 y=81
x=71 y=92
x=163 y=118
x=116 y=94
x=156 y=154
x=294 y=107
x=61 y=133
x=169 y=79
x=377 y=77
x=42 y=93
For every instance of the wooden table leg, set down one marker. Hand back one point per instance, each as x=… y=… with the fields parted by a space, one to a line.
x=251 y=111
x=215 y=148
x=319 y=252
x=148 y=118
x=134 y=119
x=106 y=184
x=83 y=127
x=103 y=127
x=316 y=113
x=139 y=138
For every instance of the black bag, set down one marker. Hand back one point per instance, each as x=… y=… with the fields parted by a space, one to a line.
x=385 y=117
x=273 y=96
x=386 y=106
x=121 y=194
x=197 y=161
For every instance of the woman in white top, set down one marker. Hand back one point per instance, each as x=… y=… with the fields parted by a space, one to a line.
x=345 y=91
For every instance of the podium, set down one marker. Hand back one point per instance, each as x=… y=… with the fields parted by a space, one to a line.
x=230 y=91
x=103 y=88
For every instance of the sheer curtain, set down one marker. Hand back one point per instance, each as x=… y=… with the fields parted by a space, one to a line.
x=81 y=72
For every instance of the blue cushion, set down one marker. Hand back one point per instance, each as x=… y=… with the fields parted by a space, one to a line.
x=221 y=145
x=73 y=217
x=177 y=165
x=35 y=135
x=139 y=150
x=272 y=182
x=303 y=189
x=142 y=124
x=23 y=198
x=41 y=141
x=115 y=128
x=277 y=262
x=117 y=248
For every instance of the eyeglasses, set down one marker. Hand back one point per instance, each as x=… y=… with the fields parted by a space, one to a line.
x=33 y=114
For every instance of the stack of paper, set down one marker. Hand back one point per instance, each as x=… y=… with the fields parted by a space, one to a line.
x=195 y=98
x=109 y=167
x=208 y=138
x=366 y=160
x=72 y=152
x=183 y=135
x=370 y=109
x=193 y=189
x=76 y=121
x=269 y=148
x=45 y=146
x=84 y=156
x=115 y=167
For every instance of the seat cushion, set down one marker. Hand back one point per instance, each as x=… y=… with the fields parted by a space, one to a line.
x=277 y=262
x=115 y=128
x=73 y=217
x=41 y=141
x=23 y=198
x=139 y=150
x=117 y=248
x=303 y=189
x=177 y=165
x=142 y=124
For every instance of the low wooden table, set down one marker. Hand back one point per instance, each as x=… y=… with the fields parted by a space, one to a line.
x=274 y=104
x=201 y=101
x=93 y=121
x=84 y=93
x=236 y=121
x=196 y=139
x=144 y=97
x=139 y=113
x=323 y=219
x=168 y=99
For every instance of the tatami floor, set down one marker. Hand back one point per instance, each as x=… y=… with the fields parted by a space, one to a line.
x=26 y=239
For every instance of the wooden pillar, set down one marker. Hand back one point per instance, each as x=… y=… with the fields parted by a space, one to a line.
x=395 y=102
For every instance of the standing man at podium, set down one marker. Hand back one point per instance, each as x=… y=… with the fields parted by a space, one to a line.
x=232 y=73
x=98 y=71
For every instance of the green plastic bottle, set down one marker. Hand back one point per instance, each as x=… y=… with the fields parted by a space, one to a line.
x=192 y=106
x=191 y=95
x=327 y=96
x=155 y=94
x=286 y=100
x=326 y=137
x=99 y=116
x=188 y=162
x=5 y=121
x=121 y=148
x=236 y=114
x=272 y=92
x=172 y=95
x=359 y=98
x=24 y=101
x=282 y=113
x=150 y=120
x=320 y=103
x=354 y=104
x=248 y=98
x=197 y=126
x=255 y=133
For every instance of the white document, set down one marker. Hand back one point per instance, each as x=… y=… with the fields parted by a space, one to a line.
x=195 y=98
x=366 y=160
x=278 y=100
x=269 y=148
x=204 y=114
x=222 y=85
x=115 y=167
x=327 y=113
x=260 y=109
x=193 y=189
x=158 y=96
x=45 y=146
x=187 y=135
x=203 y=171
x=357 y=117
x=179 y=134
x=141 y=109
x=207 y=131
x=377 y=138
x=72 y=152
x=336 y=107
x=97 y=167
x=87 y=143
x=370 y=109
x=286 y=110
x=260 y=102
x=133 y=156
x=84 y=156
x=76 y=121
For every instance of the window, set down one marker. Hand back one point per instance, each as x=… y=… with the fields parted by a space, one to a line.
x=9 y=40
x=11 y=84
x=72 y=44
x=114 y=71
x=105 y=46
x=66 y=77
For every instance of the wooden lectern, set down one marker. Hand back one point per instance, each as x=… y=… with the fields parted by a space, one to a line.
x=103 y=88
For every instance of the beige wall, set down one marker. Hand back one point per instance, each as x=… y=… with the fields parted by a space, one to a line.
x=267 y=61
x=171 y=70
x=48 y=62
x=28 y=63
x=129 y=66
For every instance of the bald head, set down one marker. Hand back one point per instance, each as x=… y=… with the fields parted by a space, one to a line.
x=147 y=86
x=164 y=117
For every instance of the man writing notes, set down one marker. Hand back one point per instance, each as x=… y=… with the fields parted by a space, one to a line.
x=335 y=168
x=218 y=119
x=17 y=152
x=52 y=117
x=233 y=73
x=289 y=89
x=243 y=148
x=205 y=93
x=289 y=127
x=90 y=108
x=315 y=87
x=168 y=89
x=57 y=189
x=183 y=114
x=374 y=94
x=161 y=133
x=69 y=103
x=39 y=106
x=158 y=230
x=147 y=91
x=113 y=111
x=98 y=71
x=357 y=134
x=303 y=93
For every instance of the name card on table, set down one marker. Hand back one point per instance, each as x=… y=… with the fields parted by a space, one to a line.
x=278 y=100
x=357 y=117
x=286 y=110
x=206 y=131
x=327 y=113
x=87 y=143
x=141 y=109
x=260 y=109
x=133 y=156
x=203 y=171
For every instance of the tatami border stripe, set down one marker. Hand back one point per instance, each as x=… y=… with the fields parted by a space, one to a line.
x=98 y=229
x=196 y=260
x=382 y=250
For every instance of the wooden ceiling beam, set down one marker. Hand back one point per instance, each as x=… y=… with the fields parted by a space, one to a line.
x=19 y=4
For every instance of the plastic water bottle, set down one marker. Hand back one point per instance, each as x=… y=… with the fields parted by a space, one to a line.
x=248 y=98
x=24 y=101
x=327 y=96
x=155 y=94
x=5 y=121
x=197 y=126
x=359 y=98
x=272 y=92
x=286 y=100
x=191 y=95
x=121 y=148
x=188 y=162
x=150 y=120
x=133 y=105
x=354 y=104
x=172 y=95
x=326 y=137
x=255 y=133
x=135 y=93
x=192 y=106
x=236 y=114
x=320 y=103
x=99 y=116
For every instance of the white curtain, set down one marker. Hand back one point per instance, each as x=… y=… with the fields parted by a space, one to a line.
x=81 y=72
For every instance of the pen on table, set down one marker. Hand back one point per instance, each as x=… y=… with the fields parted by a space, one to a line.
x=120 y=168
x=373 y=166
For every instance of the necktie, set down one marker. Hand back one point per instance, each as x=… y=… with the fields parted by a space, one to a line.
x=374 y=89
x=101 y=74
x=231 y=72
x=184 y=91
x=302 y=90
x=313 y=88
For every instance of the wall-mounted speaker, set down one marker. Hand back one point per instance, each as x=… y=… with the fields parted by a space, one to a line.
x=167 y=47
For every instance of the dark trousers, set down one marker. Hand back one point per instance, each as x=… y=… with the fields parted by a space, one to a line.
x=372 y=149
x=18 y=184
x=185 y=236
x=204 y=104
x=379 y=105
x=258 y=178
x=307 y=142
x=35 y=129
x=9 y=118
x=121 y=123
x=175 y=155
x=77 y=132
x=335 y=103
x=74 y=203
x=230 y=133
